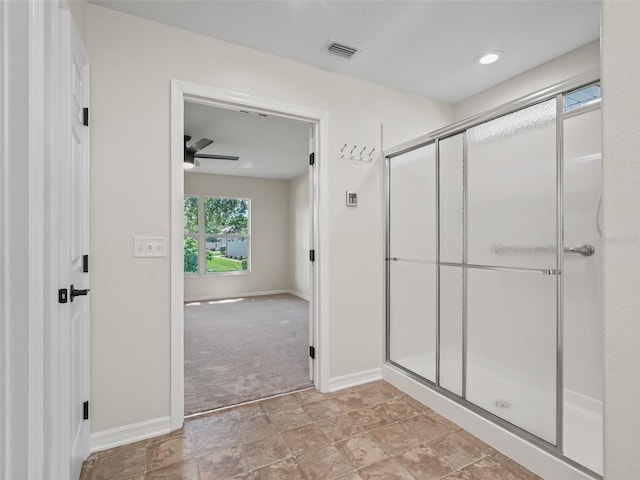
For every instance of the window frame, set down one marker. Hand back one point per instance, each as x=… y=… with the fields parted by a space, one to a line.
x=201 y=237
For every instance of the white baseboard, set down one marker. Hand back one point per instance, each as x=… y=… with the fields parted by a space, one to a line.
x=234 y=295
x=353 y=379
x=115 y=437
x=301 y=295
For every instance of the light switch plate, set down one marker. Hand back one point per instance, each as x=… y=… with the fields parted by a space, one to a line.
x=149 y=246
x=352 y=199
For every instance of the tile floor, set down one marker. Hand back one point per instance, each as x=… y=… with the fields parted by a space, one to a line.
x=368 y=432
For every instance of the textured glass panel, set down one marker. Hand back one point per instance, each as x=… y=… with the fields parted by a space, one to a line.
x=583 y=291
x=412 y=218
x=451 y=328
x=511 y=347
x=451 y=199
x=190 y=214
x=512 y=190
x=412 y=306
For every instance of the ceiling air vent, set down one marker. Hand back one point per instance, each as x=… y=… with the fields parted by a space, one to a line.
x=340 y=49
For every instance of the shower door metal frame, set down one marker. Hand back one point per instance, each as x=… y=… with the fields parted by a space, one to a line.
x=554 y=92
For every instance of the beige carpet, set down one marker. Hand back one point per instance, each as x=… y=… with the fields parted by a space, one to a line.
x=243 y=349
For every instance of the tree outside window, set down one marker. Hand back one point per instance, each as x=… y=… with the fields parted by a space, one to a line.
x=222 y=246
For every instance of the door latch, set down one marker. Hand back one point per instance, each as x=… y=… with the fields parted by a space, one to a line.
x=77 y=293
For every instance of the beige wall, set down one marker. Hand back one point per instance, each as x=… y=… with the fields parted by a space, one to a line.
x=299 y=235
x=621 y=144
x=78 y=10
x=132 y=63
x=572 y=64
x=269 y=236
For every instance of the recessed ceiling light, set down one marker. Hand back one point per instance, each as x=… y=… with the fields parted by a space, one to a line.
x=489 y=57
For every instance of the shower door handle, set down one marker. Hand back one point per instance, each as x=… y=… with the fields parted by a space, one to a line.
x=586 y=250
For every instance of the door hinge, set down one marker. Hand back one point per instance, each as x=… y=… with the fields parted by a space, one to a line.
x=85 y=263
x=312 y=255
x=85 y=410
x=85 y=117
x=312 y=352
x=63 y=295
x=312 y=159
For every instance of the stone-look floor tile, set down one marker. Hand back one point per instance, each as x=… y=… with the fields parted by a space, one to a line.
x=214 y=438
x=265 y=452
x=461 y=475
x=388 y=469
x=284 y=470
x=178 y=471
x=419 y=406
x=289 y=419
x=241 y=412
x=367 y=418
x=444 y=421
x=305 y=439
x=489 y=469
x=514 y=467
x=253 y=429
x=140 y=476
x=309 y=396
x=379 y=393
x=457 y=451
x=222 y=463
x=351 y=400
x=285 y=402
x=395 y=410
x=476 y=442
x=324 y=464
x=425 y=428
x=322 y=409
x=87 y=468
x=395 y=438
x=168 y=452
x=120 y=463
x=196 y=424
x=361 y=451
x=425 y=464
x=351 y=476
x=339 y=428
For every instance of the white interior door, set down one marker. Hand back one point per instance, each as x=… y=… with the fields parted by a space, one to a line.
x=73 y=246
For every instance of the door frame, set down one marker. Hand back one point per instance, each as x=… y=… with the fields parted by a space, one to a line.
x=182 y=91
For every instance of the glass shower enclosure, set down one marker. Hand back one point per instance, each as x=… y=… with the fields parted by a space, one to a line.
x=493 y=269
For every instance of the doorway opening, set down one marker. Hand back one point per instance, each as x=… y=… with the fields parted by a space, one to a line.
x=247 y=274
x=212 y=257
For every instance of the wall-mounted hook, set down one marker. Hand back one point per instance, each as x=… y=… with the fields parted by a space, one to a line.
x=371 y=153
x=360 y=157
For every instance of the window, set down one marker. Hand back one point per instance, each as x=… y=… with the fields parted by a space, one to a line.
x=216 y=235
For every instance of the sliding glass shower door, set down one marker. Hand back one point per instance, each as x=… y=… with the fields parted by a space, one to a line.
x=412 y=265
x=511 y=246
x=473 y=266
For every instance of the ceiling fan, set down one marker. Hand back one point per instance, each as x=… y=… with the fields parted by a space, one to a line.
x=191 y=153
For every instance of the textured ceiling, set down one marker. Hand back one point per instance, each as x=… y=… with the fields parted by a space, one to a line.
x=423 y=47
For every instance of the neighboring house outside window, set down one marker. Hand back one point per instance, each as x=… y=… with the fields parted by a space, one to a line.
x=216 y=235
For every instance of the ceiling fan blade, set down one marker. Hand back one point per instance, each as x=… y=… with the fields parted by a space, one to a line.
x=199 y=145
x=217 y=157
